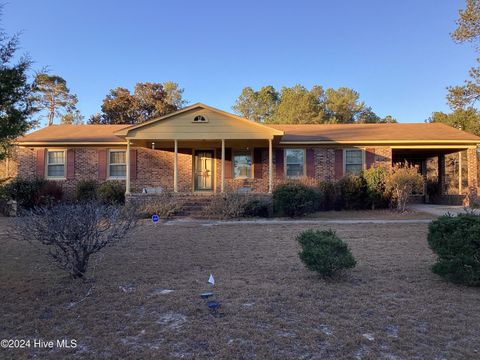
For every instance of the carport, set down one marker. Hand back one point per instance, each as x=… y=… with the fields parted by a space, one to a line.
x=450 y=171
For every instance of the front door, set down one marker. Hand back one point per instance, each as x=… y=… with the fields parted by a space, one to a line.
x=203 y=172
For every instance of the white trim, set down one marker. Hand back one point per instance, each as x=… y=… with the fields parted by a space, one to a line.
x=285 y=163
x=64 y=177
x=68 y=143
x=108 y=165
x=377 y=142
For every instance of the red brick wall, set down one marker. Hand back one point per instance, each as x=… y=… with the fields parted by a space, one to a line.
x=155 y=168
x=472 y=160
x=383 y=155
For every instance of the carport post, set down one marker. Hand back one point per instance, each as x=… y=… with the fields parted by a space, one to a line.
x=270 y=166
x=175 y=167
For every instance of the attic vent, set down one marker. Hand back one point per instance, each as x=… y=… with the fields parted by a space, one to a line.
x=200 y=119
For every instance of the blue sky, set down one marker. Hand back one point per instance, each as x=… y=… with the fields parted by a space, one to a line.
x=397 y=54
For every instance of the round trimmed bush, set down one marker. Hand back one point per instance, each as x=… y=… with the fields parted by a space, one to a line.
x=294 y=199
x=111 y=192
x=353 y=192
x=456 y=242
x=324 y=252
x=375 y=179
x=257 y=208
x=86 y=190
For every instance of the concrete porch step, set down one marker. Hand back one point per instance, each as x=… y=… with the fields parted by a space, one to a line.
x=193 y=206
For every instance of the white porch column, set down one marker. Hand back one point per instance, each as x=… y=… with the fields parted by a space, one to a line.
x=222 y=184
x=270 y=166
x=127 y=159
x=175 y=168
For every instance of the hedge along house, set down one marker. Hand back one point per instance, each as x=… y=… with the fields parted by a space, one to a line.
x=200 y=149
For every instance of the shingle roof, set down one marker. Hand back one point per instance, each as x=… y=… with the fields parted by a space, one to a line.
x=74 y=133
x=373 y=132
x=293 y=133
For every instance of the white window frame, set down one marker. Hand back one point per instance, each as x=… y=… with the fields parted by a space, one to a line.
x=345 y=159
x=64 y=177
x=240 y=151
x=285 y=165
x=108 y=165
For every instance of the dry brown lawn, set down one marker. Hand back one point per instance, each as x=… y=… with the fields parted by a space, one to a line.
x=389 y=307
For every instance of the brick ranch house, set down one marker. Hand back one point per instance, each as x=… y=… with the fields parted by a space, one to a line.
x=200 y=149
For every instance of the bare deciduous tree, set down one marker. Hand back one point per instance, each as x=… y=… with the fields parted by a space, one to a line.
x=73 y=232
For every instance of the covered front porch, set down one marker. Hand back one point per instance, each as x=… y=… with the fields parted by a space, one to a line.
x=200 y=166
x=200 y=149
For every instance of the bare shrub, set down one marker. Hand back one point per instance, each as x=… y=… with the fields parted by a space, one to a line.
x=228 y=205
x=73 y=232
x=402 y=181
x=164 y=204
x=303 y=180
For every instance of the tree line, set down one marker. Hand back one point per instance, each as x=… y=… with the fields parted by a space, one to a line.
x=23 y=104
x=298 y=105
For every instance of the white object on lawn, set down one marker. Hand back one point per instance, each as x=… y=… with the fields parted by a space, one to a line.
x=211 y=280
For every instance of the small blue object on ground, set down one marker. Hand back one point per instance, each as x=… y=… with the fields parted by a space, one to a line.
x=155 y=218
x=213 y=305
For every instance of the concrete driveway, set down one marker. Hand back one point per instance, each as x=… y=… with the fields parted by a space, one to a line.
x=438 y=210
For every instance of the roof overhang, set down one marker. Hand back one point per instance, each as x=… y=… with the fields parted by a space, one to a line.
x=69 y=143
x=391 y=143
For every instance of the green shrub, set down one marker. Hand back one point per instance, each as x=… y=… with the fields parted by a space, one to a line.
x=352 y=191
x=324 y=252
x=257 y=208
x=23 y=191
x=456 y=242
x=86 y=190
x=327 y=196
x=111 y=192
x=294 y=199
x=377 y=194
x=30 y=193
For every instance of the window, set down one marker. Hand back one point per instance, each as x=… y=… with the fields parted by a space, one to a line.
x=117 y=164
x=56 y=164
x=295 y=162
x=242 y=164
x=353 y=161
x=200 y=119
